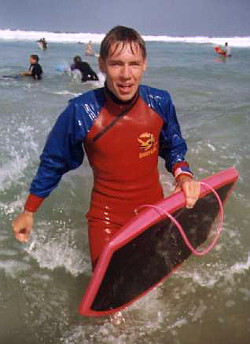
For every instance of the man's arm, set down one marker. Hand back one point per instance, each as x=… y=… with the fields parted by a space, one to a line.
x=26 y=74
x=173 y=149
x=63 y=152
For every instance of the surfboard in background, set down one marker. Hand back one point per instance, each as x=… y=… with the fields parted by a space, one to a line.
x=147 y=249
x=15 y=76
x=219 y=51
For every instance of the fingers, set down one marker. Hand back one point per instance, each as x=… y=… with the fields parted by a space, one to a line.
x=177 y=188
x=22 y=235
x=190 y=202
x=191 y=190
x=22 y=226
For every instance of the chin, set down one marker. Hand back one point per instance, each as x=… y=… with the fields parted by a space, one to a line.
x=125 y=97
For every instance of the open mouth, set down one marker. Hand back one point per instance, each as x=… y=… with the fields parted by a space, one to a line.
x=125 y=88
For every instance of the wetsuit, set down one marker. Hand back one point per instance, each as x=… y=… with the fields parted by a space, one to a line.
x=36 y=71
x=122 y=142
x=86 y=70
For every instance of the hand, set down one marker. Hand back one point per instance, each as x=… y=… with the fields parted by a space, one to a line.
x=22 y=226
x=191 y=189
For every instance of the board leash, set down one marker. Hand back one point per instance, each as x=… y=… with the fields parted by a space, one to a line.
x=181 y=230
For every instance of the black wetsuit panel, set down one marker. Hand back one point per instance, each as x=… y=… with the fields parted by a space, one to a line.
x=86 y=70
x=36 y=71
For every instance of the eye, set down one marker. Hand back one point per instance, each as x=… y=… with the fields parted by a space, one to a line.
x=135 y=63
x=115 y=63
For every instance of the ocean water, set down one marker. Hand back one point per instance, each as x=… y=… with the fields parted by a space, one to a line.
x=207 y=300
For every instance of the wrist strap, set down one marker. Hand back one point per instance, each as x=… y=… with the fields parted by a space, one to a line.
x=181 y=230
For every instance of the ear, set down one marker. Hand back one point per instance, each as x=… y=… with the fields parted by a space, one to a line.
x=145 y=65
x=102 y=65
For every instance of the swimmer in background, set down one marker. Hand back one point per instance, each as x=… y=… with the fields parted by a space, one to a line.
x=90 y=51
x=42 y=44
x=35 y=69
x=85 y=69
x=227 y=50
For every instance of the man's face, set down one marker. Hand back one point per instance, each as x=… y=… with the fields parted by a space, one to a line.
x=124 y=68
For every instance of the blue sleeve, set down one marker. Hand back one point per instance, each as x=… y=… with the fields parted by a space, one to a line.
x=63 y=150
x=172 y=145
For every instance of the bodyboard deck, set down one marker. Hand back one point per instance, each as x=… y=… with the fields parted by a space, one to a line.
x=219 y=51
x=147 y=249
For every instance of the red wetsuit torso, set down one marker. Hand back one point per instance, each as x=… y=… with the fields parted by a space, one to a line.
x=124 y=160
x=122 y=142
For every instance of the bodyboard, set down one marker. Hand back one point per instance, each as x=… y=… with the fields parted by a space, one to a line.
x=219 y=51
x=149 y=248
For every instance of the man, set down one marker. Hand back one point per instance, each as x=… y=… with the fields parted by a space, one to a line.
x=85 y=69
x=124 y=127
x=35 y=70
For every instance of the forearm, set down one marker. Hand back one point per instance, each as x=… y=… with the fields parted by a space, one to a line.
x=26 y=74
x=32 y=203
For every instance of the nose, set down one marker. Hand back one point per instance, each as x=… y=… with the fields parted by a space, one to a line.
x=126 y=72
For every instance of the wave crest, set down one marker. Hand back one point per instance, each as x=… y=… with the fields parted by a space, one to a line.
x=67 y=37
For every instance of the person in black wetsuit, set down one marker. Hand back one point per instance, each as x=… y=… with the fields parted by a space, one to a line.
x=84 y=68
x=35 y=70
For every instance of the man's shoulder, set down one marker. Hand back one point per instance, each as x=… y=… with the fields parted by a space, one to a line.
x=89 y=103
x=154 y=97
x=94 y=98
x=84 y=63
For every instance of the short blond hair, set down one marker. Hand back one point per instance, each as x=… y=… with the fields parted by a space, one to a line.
x=124 y=35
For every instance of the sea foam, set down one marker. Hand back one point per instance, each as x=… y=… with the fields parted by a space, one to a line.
x=65 y=37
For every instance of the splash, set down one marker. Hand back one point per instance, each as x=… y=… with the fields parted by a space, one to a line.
x=58 y=250
x=212 y=274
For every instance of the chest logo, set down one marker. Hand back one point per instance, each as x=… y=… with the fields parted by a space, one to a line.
x=147 y=144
